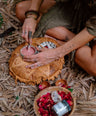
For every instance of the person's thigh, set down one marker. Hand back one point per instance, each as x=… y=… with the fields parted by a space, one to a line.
x=60 y=33
x=46 y=5
x=23 y=6
x=85 y=59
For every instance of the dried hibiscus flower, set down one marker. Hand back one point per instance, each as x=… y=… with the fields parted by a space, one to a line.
x=45 y=103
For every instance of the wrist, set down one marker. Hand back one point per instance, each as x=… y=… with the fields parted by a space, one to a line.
x=32 y=16
x=32 y=13
x=31 y=20
x=59 y=53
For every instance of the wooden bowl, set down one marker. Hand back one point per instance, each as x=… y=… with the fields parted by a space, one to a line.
x=19 y=71
x=49 y=90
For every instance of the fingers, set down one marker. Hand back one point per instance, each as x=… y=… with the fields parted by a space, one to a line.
x=30 y=57
x=25 y=34
x=33 y=58
x=28 y=26
x=30 y=60
x=41 y=49
x=35 y=65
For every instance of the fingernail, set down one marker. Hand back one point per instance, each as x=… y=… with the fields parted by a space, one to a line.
x=26 y=66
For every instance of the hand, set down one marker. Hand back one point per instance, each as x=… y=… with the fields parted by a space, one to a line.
x=42 y=58
x=29 y=25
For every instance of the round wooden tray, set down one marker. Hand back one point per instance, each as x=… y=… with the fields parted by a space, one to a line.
x=49 y=90
x=19 y=71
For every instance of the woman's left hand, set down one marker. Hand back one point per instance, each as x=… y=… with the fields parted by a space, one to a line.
x=42 y=58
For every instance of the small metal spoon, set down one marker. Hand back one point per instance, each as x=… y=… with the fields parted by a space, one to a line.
x=29 y=39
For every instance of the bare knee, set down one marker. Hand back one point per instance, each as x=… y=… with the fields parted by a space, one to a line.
x=20 y=11
x=80 y=52
x=84 y=59
x=60 y=33
x=92 y=68
x=19 y=8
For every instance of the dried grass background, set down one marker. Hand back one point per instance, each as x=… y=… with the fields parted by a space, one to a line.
x=17 y=99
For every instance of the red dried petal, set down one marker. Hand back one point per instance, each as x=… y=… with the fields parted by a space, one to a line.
x=45 y=115
x=70 y=102
x=42 y=111
x=46 y=103
x=40 y=104
x=42 y=99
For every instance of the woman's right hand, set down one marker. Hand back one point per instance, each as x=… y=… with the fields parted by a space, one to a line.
x=29 y=25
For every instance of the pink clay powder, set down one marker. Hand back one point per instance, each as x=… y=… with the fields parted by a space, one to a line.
x=27 y=51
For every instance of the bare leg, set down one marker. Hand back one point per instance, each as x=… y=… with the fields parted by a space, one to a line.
x=64 y=34
x=23 y=6
x=85 y=57
x=61 y=34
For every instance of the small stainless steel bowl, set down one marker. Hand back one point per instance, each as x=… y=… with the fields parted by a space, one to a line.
x=35 y=51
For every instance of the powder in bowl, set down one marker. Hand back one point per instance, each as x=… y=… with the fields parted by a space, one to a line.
x=25 y=51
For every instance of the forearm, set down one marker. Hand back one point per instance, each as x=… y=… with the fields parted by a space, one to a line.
x=35 y=5
x=78 y=41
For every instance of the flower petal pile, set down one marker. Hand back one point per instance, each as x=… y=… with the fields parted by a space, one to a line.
x=45 y=103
